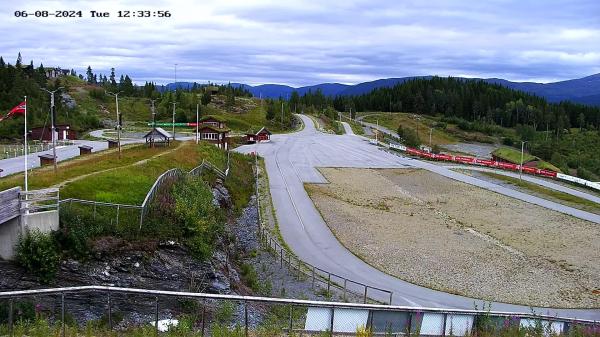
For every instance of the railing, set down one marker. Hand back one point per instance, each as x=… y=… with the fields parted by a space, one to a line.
x=316 y=274
x=39 y=200
x=305 y=316
x=96 y=204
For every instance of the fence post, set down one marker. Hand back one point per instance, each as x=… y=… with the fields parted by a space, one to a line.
x=409 y=332
x=313 y=277
x=391 y=294
x=203 y=316
x=291 y=320
x=62 y=313
x=10 y=316
x=94 y=216
x=246 y=319
x=118 y=215
x=156 y=315
x=281 y=259
x=365 y=296
x=444 y=325
x=345 y=280
x=109 y=312
x=331 y=323
x=328 y=283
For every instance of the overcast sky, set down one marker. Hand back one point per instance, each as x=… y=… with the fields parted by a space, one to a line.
x=309 y=42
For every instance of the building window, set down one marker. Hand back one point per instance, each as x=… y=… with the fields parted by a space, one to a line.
x=210 y=136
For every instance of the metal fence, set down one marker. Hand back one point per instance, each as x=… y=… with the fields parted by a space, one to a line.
x=234 y=315
x=39 y=200
x=315 y=274
x=15 y=150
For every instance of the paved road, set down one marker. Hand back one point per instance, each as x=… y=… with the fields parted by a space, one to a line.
x=291 y=161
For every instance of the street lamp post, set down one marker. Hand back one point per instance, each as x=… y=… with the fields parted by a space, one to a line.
x=118 y=119
x=53 y=127
x=430 y=132
x=197 y=115
x=153 y=113
x=173 y=127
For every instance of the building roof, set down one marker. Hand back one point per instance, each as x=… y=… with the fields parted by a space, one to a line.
x=220 y=130
x=46 y=156
x=85 y=147
x=217 y=118
x=256 y=131
x=160 y=131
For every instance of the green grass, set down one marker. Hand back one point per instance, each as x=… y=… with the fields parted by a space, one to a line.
x=242 y=122
x=513 y=155
x=45 y=177
x=561 y=197
x=129 y=185
x=391 y=121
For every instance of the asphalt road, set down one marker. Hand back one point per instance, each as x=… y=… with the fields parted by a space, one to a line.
x=291 y=160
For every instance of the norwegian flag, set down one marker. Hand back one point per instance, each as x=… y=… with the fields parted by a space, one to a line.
x=18 y=110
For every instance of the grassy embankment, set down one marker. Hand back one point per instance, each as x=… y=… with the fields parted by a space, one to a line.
x=439 y=136
x=514 y=156
x=561 y=197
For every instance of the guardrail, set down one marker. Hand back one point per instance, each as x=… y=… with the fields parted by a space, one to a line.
x=34 y=201
x=316 y=317
x=316 y=274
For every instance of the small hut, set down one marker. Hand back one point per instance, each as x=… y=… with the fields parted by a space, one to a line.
x=113 y=144
x=85 y=149
x=46 y=159
x=158 y=136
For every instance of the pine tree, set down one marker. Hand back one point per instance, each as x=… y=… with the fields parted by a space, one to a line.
x=90 y=75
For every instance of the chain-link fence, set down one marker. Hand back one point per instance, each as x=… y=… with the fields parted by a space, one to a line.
x=97 y=310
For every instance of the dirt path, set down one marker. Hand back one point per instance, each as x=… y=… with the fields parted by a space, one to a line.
x=446 y=235
x=139 y=162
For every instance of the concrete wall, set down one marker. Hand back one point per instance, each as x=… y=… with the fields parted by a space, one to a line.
x=9 y=235
x=10 y=231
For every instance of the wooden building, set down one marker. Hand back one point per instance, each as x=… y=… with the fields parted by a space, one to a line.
x=158 y=136
x=258 y=136
x=61 y=132
x=113 y=143
x=213 y=129
x=46 y=159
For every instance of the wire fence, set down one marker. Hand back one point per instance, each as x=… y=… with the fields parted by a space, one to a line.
x=317 y=275
x=15 y=150
x=243 y=316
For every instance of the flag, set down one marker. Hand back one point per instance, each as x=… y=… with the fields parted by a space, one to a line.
x=18 y=110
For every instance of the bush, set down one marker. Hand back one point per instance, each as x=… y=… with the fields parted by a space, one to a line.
x=409 y=136
x=38 y=253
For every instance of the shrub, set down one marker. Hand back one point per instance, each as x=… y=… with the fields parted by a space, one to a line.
x=409 y=136
x=38 y=253
x=508 y=141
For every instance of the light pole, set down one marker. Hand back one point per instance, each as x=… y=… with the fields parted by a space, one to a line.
x=521 y=166
x=197 y=115
x=173 y=128
x=118 y=119
x=153 y=113
x=430 y=132
x=53 y=128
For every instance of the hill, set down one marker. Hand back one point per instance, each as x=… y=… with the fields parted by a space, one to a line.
x=584 y=90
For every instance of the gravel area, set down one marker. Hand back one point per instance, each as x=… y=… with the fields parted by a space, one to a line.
x=447 y=235
x=481 y=150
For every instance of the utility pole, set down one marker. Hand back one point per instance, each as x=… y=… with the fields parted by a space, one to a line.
x=430 y=132
x=53 y=128
x=174 y=103
x=377 y=132
x=282 y=114
x=118 y=120
x=153 y=113
x=197 y=115
x=521 y=166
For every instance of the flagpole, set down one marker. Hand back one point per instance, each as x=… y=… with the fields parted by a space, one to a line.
x=26 y=185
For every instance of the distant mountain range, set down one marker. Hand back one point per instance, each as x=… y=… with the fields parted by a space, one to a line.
x=584 y=90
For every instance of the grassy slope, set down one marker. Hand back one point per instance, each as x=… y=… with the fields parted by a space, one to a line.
x=45 y=177
x=424 y=123
x=129 y=185
x=514 y=156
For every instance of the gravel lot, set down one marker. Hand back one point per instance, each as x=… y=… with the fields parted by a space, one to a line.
x=443 y=234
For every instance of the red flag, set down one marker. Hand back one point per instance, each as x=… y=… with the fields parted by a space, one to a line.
x=18 y=110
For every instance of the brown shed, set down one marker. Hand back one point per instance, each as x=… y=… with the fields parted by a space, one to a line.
x=113 y=144
x=85 y=149
x=46 y=159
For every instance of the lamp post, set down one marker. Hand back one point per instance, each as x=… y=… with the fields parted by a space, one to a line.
x=521 y=166
x=430 y=132
x=52 y=119
x=197 y=115
x=153 y=112
x=118 y=119
x=173 y=127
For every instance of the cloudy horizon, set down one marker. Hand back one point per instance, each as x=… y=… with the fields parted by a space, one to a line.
x=305 y=43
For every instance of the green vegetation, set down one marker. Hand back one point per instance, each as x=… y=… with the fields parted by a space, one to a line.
x=38 y=254
x=512 y=155
x=420 y=125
